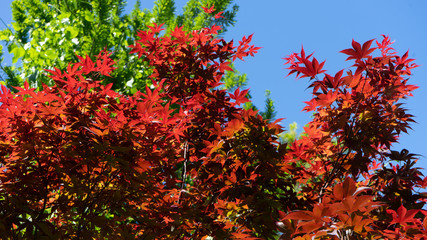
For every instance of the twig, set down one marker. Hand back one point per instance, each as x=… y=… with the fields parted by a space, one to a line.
x=184 y=169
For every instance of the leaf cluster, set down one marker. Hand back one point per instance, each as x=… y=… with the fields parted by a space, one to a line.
x=358 y=115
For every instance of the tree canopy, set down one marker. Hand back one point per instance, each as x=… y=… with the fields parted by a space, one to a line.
x=184 y=160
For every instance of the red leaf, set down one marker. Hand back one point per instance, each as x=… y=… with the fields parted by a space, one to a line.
x=219 y=15
x=402 y=216
x=209 y=10
x=358 y=52
x=240 y=96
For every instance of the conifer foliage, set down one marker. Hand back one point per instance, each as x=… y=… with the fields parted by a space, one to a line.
x=184 y=160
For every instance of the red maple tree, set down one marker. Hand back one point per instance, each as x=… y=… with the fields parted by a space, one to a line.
x=345 y=159
x=184 y=161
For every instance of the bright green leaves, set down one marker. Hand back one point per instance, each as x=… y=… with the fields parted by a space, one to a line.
x=291 y=134
x=164 y=12
x=18 y=52
x=234 y=79
x=71 y=32
x=88 y=16
x=50 y=53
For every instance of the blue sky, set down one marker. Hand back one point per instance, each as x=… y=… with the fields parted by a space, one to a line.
x=325 y=27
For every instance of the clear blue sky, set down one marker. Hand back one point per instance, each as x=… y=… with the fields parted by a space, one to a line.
x=325 y=27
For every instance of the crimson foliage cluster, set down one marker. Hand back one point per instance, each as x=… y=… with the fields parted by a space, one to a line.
x=183 y=160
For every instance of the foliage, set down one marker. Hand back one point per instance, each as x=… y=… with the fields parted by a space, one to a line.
x=290 y=135
x=51 y=33
x=344 y=158
x=184 y=160
x=100 y=164
x=270 y=112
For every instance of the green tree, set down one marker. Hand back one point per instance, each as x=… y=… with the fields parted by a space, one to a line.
x=51 y=33
x=290 y=135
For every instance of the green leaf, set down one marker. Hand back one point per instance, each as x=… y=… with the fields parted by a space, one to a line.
x=89 y=16
x=51 y=54
x=73 y=32
x=16 y=26
x=3 y=35
x=18 y=52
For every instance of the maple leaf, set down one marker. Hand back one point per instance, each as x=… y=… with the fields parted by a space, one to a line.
x=57 y=73
x=225 y=66
x=328 y=98
x=239 y=96
x=384 y=46
x=304 y=66
x=334 y=82
x=209 y=10
x=311 y=105
x=87 y=63
x=290 y=59
x=156 y=28
x=244 y=49
x=352 y=80
x=311 y=220
x=242 y=235
x=402 y=216
x=25 y=90
x=359 y=52
x=233 y=126
x=345 y=189
x=219 y=15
